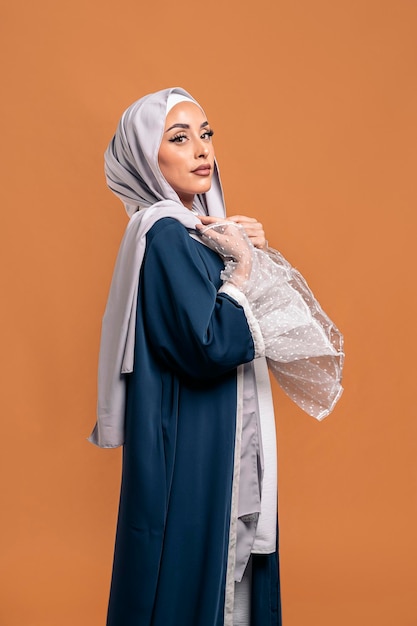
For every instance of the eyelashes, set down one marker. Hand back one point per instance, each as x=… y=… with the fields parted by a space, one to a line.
x=181 y=137
x=178 y=138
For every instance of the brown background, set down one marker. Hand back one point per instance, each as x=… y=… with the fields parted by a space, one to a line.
x=314 y=107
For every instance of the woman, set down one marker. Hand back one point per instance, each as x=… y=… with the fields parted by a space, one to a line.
x=183 y=384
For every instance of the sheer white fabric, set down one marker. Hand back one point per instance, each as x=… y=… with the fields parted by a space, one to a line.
x=303 y=347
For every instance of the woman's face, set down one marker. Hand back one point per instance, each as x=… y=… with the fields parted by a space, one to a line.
x=186 y=154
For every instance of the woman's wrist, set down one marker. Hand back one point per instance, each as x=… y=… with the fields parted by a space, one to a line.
x=241 y=271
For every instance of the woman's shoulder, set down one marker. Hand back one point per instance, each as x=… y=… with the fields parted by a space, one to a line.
x=169 y=233
x=167 y=227
x=169 y=239
x=169 y=245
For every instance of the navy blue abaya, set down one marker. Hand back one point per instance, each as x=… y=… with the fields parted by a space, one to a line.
x=173 y=530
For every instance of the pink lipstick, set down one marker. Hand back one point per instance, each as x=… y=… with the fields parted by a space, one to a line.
x=202 y=170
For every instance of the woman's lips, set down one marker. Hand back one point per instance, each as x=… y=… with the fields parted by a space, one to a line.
x=203 y=170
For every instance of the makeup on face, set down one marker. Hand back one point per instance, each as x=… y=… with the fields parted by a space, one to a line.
x=186 y=153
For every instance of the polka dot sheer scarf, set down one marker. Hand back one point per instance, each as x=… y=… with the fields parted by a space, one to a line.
x=303 y=347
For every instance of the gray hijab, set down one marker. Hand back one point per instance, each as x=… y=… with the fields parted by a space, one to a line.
x=133 y=174
x=131 y=159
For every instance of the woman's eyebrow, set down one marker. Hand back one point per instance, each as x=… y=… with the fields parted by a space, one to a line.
x=185 y=126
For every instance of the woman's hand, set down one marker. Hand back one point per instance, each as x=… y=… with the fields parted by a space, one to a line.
x=230 y=241
x=253 y=228
x=227 y=239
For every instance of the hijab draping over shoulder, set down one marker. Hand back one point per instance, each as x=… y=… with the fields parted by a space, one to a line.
x=133 y=174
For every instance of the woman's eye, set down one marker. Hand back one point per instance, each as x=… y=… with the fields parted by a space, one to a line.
x=208 y=134
x=178 y=139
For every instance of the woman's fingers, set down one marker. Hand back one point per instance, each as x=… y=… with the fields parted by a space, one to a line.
x=241 y=218
x=209 y=219
x=227 y=239
x=253 y=228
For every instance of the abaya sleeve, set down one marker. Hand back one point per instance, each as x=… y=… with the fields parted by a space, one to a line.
x=303 y=347
x=192 y=328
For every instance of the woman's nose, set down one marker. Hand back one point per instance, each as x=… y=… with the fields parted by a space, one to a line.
x=202 y=149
